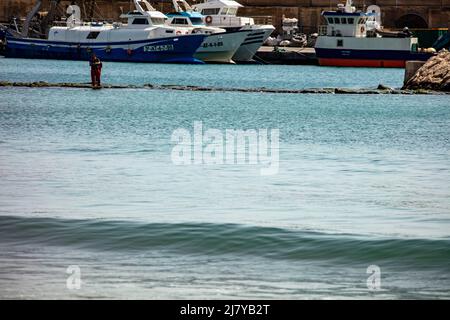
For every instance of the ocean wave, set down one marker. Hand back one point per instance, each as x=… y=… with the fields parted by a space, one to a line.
x=214 y=239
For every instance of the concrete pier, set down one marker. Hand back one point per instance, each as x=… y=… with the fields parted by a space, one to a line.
x=411 y=68
x=286 y=55
x=73 y=85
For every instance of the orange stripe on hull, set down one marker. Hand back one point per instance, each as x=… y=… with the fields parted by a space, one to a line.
x=361 y=63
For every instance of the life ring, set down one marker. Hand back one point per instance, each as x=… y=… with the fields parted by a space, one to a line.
x=363 y=29
x=208 y=19
x=178 y=32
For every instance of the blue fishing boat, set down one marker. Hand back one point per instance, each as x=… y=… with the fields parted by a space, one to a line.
x=144 y=38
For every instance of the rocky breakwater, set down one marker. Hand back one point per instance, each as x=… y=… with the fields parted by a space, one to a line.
x=433 y=75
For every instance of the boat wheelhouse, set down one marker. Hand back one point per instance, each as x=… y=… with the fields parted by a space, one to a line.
x=223 y=14
x=346 y=41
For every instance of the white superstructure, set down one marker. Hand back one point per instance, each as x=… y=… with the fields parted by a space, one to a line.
x=219 y=47
x=223 y=14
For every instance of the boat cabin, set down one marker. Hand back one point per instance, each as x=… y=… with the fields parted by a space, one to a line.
x=222 y=13
x=185 y=19
x=144 y=16
x=140 y=23
x=346 y=22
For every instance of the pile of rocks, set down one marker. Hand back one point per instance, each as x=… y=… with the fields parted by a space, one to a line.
x=433 y=75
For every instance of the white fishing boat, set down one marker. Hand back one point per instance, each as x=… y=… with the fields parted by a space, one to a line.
x=354 y=38
x=220 y=45
x=223 y=14
x=144 y=38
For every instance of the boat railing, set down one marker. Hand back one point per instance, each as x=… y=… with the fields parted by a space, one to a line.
x=63 y=23
x=323 y=30
x=262 y=19
x=232 y=21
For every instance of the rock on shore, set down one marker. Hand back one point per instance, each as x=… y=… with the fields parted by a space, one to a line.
x=433 y=75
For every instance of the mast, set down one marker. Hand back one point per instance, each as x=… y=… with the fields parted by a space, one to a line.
x=30 y=15
x=90 y=9
x=348 y=6
x=139 y=3
x=176 y=6
x=50 y=17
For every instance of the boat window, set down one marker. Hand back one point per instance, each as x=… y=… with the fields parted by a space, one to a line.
x=210 y=12
x=197 y=21
x=344 y=20
x=340 y=43
x=140 y=21
x=351 y=20
x=224 y=11
x=232 y=11
x=330 y=20
x=179 y=21
x=337 y=21
x=361 y=21
x=158 y=20
x=93 y=35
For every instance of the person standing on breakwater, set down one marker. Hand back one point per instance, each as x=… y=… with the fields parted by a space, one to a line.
x=96 y=71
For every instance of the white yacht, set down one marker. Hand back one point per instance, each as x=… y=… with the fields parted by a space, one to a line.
x=223 y=14
x=220 y=45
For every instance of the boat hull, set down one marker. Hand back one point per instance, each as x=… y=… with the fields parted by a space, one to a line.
x=252 y=43
x=367 y=52
x=165 y=50
x=220 y=48
x=368 y=58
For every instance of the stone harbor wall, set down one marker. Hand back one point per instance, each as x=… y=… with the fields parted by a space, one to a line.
x=433 y=75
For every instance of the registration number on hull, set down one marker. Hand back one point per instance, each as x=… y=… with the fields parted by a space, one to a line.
x=212 y=44
x=158 y=48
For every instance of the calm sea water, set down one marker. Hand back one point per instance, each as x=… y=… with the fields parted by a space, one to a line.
x=86 y=179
